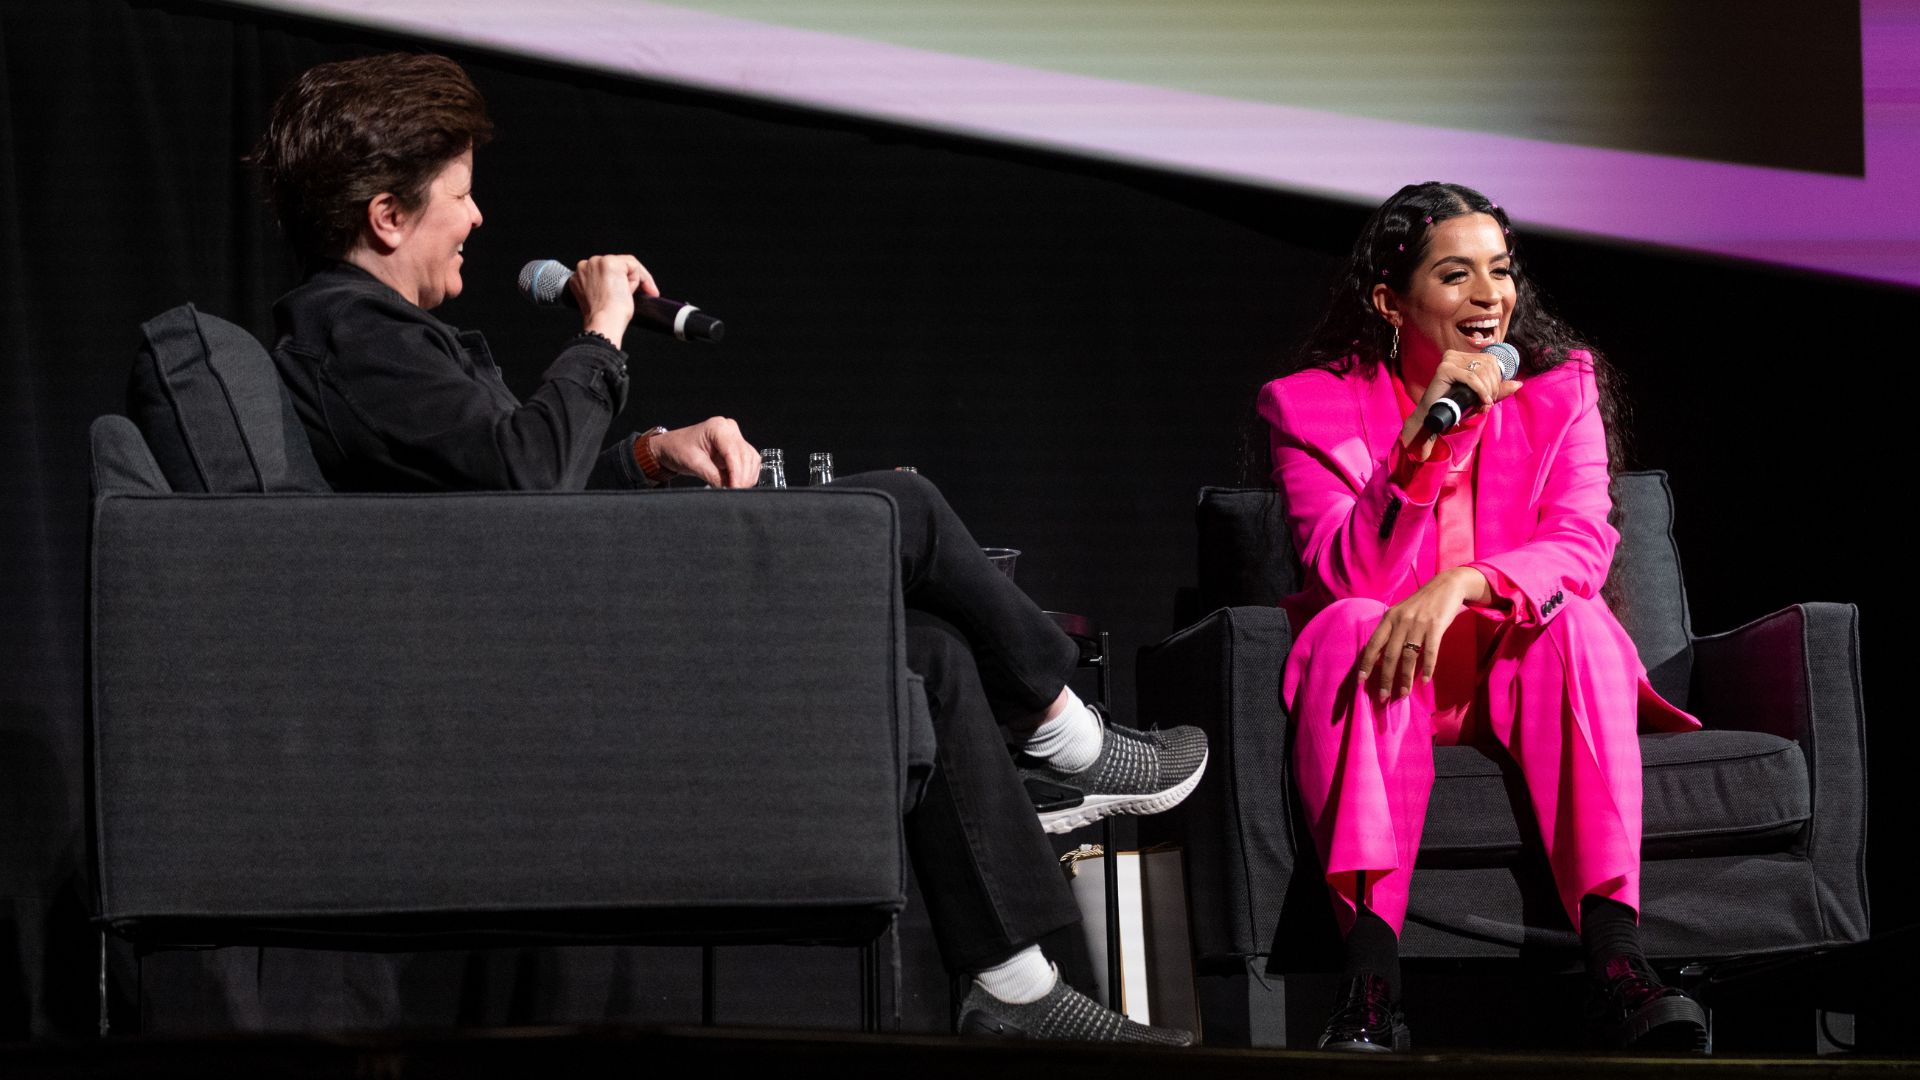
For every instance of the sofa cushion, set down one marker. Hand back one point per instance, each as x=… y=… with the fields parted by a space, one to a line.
x=1246 y=555
x=1706 y=792
x=211 y=406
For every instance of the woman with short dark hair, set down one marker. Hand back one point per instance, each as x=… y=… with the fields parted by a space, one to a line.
x=1453 y=595
x=344 y=133
x=369 y=165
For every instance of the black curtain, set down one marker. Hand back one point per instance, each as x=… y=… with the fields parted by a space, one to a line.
x=1069 y=348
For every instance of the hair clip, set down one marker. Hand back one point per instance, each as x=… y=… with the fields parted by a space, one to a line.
x=1383 y=272
x=1403 y=247
x=1429 y=219
x=1496 y=206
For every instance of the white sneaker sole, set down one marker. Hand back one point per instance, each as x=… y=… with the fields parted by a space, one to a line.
x=1096 y=807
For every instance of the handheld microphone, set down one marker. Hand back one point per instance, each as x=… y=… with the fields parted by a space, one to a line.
x=544 y=282
x=1451 y=409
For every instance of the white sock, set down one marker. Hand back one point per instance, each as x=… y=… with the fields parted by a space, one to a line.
x=1024 y=978
x=1071 y=741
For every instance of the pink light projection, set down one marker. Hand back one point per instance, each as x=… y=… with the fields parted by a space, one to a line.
x=1864 y=227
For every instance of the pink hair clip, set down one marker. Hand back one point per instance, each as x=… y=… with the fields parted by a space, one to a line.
x=1403 y=247
x=1383 y=273
x=1429 y=219
x=1496 y=206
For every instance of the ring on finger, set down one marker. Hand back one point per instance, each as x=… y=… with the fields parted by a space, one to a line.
x=1414 y=647
x=1473 y=365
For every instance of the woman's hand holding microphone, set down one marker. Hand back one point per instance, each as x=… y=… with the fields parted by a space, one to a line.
x=604 y=286
x=713 y=450
x=1477 y=371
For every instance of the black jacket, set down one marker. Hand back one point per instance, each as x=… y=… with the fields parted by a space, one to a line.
x=393 y=399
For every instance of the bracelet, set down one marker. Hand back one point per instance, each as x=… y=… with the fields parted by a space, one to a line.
x=650 y=466
x=595 y=335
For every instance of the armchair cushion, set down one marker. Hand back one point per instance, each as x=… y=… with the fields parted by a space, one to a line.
x=213 y=410
x=1711 y=786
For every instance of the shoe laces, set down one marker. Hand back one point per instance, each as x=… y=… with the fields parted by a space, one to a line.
x=1630 y=982
x=1367 y=1004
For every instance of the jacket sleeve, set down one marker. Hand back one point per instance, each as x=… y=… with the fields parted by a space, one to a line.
x=435 y=417
x=1354 y=524
x=1571 y=546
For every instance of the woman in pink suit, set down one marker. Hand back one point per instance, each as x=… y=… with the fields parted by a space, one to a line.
x=1453 y=596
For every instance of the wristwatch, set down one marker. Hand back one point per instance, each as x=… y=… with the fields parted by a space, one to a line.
x=650 y=466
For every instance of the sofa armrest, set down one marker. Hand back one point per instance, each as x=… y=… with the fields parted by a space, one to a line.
x=496 y=704
x=1796 y=674
x=1223 y=675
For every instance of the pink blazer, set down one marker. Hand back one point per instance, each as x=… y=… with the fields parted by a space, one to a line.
x=1540 y=506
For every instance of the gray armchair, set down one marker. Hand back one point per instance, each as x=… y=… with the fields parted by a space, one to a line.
x=408 y=721
x=1755 y=828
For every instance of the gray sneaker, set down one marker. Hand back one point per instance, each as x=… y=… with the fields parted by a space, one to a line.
x=1137 y=772
x=1065 y=1014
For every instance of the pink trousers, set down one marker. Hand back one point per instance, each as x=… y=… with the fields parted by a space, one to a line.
x=1561 y=699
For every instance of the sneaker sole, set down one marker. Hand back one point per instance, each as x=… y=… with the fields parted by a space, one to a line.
x=1674 y=1026
x=1096 y=807
x=977 y=1024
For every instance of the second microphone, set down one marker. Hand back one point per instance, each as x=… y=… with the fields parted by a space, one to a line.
x=544 y=281
x=1460 y=399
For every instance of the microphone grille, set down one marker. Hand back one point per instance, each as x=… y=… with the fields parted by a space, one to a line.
x=543 y=280
x=1506 y=356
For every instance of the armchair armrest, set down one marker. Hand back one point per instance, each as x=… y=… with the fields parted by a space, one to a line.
x=497 y=707
x=1223 y=674
x=1796 y=674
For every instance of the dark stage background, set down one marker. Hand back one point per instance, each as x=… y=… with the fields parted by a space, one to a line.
x=1070 y=349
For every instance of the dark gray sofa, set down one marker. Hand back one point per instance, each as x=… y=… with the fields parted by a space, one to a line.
x=1755 y=828
x=404 y=721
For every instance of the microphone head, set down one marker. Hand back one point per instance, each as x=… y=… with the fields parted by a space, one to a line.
x=1506 y=356
x=544 y=281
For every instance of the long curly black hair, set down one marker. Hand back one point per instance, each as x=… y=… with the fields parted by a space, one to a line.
x=1391 y=245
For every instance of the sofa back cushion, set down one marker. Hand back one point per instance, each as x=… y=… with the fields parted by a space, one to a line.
x=1648 y=592
x=1246 y=557
x=122 y=463
x=206 y=397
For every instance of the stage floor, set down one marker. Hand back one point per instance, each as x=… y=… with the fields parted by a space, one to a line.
x=739 y=1052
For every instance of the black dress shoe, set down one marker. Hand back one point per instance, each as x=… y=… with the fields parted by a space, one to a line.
x=1366 y=1019
x=1630 y=1009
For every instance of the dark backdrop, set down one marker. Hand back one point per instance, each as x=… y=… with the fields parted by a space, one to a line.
x=1068 y=348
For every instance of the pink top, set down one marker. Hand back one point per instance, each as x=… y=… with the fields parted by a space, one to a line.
x=1457 y=672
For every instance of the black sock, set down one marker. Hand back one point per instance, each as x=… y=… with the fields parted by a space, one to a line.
x=1608 y=929
x=1374 y=949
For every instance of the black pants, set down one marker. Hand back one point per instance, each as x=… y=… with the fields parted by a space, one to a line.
x=987 y=653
